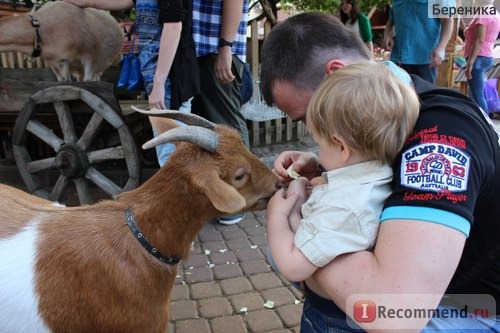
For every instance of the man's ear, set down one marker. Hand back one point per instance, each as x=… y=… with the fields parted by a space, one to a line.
x=333 y=65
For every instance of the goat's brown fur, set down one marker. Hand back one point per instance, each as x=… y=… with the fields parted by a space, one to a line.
x=93 y=276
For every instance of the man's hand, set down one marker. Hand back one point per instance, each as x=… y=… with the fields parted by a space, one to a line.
x=304 y=163
x=223 y=65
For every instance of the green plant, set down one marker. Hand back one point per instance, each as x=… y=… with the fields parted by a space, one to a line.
x=334 y=5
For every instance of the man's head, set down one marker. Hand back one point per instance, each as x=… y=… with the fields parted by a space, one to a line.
x=297 y=55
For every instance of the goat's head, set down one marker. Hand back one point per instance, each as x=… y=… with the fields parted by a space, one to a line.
x=225 y=171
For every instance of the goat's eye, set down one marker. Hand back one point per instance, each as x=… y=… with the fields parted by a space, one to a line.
x=240 y=177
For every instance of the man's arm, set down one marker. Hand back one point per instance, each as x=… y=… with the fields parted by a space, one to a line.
x=231 y=16
x=169 y=42
x=388 y=39
x=479 y=35
x=410 y=257
x=437 y=55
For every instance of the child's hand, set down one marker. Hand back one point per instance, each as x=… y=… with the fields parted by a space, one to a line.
x=281 y=204
x=301 y=188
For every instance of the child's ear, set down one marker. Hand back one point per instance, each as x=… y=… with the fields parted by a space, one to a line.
x=345 y=149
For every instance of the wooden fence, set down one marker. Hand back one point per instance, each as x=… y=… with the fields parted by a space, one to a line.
x=19 y=60
x=276 y=130
x=280 y=129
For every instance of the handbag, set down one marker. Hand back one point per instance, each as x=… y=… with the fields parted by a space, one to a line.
x=130 y=74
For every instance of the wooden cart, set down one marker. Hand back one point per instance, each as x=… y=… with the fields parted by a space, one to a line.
x=70 y=135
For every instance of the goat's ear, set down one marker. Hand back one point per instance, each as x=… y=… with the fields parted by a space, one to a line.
x=223 y=196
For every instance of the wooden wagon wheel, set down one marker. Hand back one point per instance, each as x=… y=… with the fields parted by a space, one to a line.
x=76 y=156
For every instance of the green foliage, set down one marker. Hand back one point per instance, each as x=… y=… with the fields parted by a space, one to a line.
x=333 y=6
x=321 y=5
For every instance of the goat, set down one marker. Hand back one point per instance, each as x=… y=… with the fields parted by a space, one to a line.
x=82 y=42
x=82 y=269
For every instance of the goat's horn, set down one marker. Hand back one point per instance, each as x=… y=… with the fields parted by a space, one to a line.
x=203 y=137
x=187 y=118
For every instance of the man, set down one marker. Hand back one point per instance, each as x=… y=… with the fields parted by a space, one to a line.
x=219 y=31
x=419 y=43
x=440 y=229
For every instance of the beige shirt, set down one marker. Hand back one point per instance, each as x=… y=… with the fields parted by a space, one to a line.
x=343 y=215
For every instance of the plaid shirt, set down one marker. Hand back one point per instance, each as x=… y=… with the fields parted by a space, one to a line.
x=207 y=26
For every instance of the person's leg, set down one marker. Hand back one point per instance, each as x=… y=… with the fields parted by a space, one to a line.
x=476 y=84
x=321 y=315
x=467 y=323
x=424 y=71
x=164 y=151
x=221 y=103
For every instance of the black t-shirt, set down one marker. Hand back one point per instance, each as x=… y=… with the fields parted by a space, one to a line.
x=450 y=167
x=184 y=73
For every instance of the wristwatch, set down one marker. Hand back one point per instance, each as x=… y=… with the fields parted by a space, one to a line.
x=223 y=42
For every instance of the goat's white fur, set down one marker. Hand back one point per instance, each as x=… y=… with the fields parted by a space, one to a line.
x=16 y=282
x=80 y=269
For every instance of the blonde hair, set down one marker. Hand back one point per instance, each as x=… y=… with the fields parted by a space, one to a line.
x=368 y=106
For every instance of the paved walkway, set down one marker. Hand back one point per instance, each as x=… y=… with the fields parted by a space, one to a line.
x=227 y=285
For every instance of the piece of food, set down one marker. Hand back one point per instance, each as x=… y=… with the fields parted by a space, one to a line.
x=292 y=173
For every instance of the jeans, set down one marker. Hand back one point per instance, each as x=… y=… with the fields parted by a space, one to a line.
x=320 y=315
x=476 y=84
x=463 y=325
x=424 y=71
x=164 y=150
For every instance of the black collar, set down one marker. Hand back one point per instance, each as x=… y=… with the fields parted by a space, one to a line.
x=38 y=40
x=129 y=217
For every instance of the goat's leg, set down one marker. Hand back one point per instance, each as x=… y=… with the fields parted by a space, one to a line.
x=97 y=76
x=64 y=72
x=56 y=71
x=88 y=70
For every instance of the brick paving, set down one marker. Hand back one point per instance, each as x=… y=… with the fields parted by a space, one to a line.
x=227 y=284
